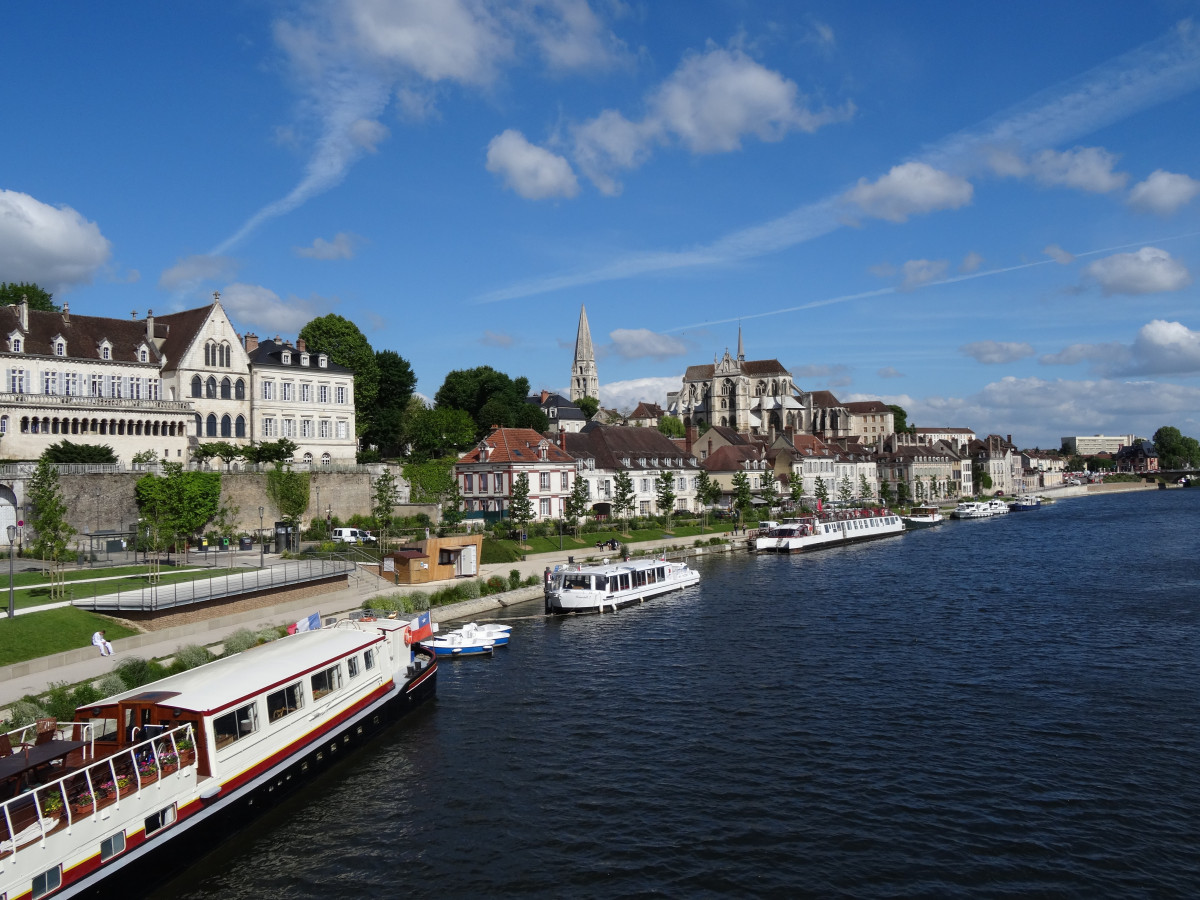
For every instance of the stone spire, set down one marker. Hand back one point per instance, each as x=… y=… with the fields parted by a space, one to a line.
x=585 y=381
x=741 y=346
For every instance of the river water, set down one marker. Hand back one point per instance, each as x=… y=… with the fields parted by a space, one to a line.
x=1001 y=707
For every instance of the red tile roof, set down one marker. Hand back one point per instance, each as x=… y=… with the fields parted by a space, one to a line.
x=518 y=445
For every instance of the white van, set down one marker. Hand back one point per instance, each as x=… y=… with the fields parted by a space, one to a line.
x=352 y=535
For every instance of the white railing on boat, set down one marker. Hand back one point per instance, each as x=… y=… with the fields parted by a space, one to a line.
x=127 y=771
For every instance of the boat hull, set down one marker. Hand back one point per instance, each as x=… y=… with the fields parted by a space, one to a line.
x=831 y=533
x=204 y=824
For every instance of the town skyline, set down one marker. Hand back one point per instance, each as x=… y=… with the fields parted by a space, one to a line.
x=977 y=220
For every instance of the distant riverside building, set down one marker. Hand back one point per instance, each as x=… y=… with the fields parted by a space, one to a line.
x=1090 y=445
x=562 y=413
x=585 y=379
x=486 y=474
x=956 y=437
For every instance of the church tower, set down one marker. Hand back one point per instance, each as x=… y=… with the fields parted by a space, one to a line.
x=585 y=381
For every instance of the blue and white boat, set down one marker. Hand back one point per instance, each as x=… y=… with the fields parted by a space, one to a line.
x=497 y=632
x=1025 y=502
x=454 y=645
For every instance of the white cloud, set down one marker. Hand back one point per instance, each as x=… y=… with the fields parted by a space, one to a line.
x=496 y=339
x=53 y=246
x=910 y=189
x=1146 y=271
x=190 y=271
x=1084 y=168
x=1159 y=348
x=823 y=34
x=531 y=171
x=889 y=372
x=1059 y=255
x=573 y=38
x=919 y=271
x=642 y=343
x=709 y=104
x=368 y=134
x=341 y=247
x=882 y=270
x=995 y=352
x=628 y=394
x=254 y=307
x=1163 y=192
x=971 y=262
x=837 y=373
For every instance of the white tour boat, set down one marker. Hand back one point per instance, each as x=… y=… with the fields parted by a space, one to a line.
x=975 y=509
x=832 y=528
x=147 y=781
x=594 y=588
x=924 y=516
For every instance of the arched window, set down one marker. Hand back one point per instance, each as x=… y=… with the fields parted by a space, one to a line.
x=239 y=390
x=210 y=388
x=308 y=459
x=210 y=426
x=225 y=355
x=326 y=459
x=226 y=427
x=199 y=425
x=226 y=389
x=196 y=390
x=239 y=427
x=207 y=355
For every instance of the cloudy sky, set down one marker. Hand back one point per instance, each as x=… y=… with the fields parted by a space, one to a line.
x=989 y=214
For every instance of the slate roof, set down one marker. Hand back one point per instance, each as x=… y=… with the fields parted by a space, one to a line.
x=647 y=411
x=862 y=407
x=752 y=367
x=564 y=407
x=825 y=399
x=269 y=354
x=180 y=329
x=83 y=334
x=732 y=459
x=609 y=446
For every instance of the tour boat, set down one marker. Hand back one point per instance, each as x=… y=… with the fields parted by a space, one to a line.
x=594 y=588
x=152 y=778
x=924 y=516
x=829 y=529
x=1025 y=502
x=974 y=509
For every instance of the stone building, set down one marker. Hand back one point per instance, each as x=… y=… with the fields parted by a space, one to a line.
x=585 y=379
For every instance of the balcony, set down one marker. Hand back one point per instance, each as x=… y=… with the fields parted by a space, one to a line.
x=82 y=404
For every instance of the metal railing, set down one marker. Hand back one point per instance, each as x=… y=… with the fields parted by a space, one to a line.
x=208 y=587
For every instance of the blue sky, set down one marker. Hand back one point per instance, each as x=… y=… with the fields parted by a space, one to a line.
x=989 y=214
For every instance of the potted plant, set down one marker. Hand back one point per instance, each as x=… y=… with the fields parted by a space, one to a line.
x=169 y=762
x=51 y=802
x=82 y=803
x=125 y=785
x=187 y=751
x=147 y=770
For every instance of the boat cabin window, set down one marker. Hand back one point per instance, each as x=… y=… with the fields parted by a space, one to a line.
x=235 y=725
x=652 y=576
x=639 y=578
x=662 y=573
x=624 y=576
x=160 y=820
x=576 y=582
x=104 y=729
x=352 y=666
x=285 y=701
x=111 y=846
x=369 y=658
x=50 y=880
x=326 y=682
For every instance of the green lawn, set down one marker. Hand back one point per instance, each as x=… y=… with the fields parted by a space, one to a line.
x=587 y=543
x=53 y=631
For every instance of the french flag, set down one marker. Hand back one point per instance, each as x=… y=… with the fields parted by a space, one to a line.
x=421 y=627
x=312 y=623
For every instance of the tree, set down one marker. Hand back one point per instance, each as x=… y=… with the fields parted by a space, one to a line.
x=430 y=480
x=769 y=492
x=452 y=505
x=276 y=452
x=664 y=494
x=901 y=493
x=919 y=485
x=623 y=494
x=822 y=491
x=579 y=501
x=845 y=489
x=384 y=501
x=671 y=426
x=177 y=504
x=885 y=493
x=12 y=293
x=67 y=452
x=1174 y=450
x=346 y=346
x=864 y=486
x=743 y=499
x=520 y=507
x=899 y=419
x=224 y=450
x=490 y=398
x=588 y=406
x=52 y=534
x=396 y=386
x=796 y=491
x=435 y=433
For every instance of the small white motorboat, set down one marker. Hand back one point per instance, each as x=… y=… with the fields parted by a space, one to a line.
x=454 y=645
x=498 y=633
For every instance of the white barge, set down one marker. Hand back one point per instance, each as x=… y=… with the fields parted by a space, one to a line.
x=830 y=529
x=975 y=509
x=594 y=588
x=147 y=781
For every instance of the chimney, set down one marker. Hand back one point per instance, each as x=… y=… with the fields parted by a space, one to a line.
x=562 y=438
x=149 y=324
x=250 y=342
x=23 y=309
x=277 y=340
x=545 y=395
x=301 y=345
x=691 y=435
x=66 y=313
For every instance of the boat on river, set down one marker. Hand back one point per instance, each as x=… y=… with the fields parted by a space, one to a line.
x=1025 y=503
x=497 y=633
x=457 y=644
x=977 y=509
x=150 y=779
x=924 y=516
x=594 y=588
x=829 y=529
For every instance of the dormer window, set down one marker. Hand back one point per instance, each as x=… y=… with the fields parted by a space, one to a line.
x=14 y=342
x=60 y=348
x=143 y=355
x=304 y=359
x=105 y=350
x=625 y=460
x=641 y=461
x=323 y=361
x=287 y=357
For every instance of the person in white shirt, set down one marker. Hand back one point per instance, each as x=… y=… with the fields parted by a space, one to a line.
x=99 y=640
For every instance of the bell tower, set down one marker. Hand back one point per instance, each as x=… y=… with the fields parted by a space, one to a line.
x=585 y=380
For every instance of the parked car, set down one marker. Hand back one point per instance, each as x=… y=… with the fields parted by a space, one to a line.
x=352 y=536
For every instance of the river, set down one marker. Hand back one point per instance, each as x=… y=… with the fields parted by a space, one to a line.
x=1000 y=707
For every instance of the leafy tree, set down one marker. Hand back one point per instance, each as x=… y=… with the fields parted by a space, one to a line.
x=490 y=398
x=1174 y=450
x=864 y=486
x=177 y=504
x=452 y=505
x=588 y=406
x=224 y=450
x=11 y=294
x=269 y=452
x=664 y=494
x=919 y=485
x=822 y=491
x=623 y=494
x=701 y=427
x=885 y=493
x=579 y=501
x=347 y=346
x=67 y=452
x=900 y=419
x=144 y=458
x=434 y=433
x=845 y=489
x=52 y=534
x=901 y=493
x=384 y=501
x=984 y=480
x=520 y=507
x=225 y=524
x=396 y=386
x=769 y=492
x=743 y=499
x=671 y=426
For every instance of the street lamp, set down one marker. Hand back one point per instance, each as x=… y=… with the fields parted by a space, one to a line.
x=261 y=547
x=318 y=499
x=12 y=536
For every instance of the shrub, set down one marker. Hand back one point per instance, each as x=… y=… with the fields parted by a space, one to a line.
x=471 y=589
x=533 y=579
x=269 y=634
x=190 y=656
x=497 y=584
x=111 y=685
x=24 y=712
x=242 y=639
x=135 y=671
x=514 y=579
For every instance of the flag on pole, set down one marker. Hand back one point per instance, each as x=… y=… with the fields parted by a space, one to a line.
x=312 y=623
x=421 y=627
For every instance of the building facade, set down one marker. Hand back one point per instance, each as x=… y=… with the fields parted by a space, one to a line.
x=486 y=474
